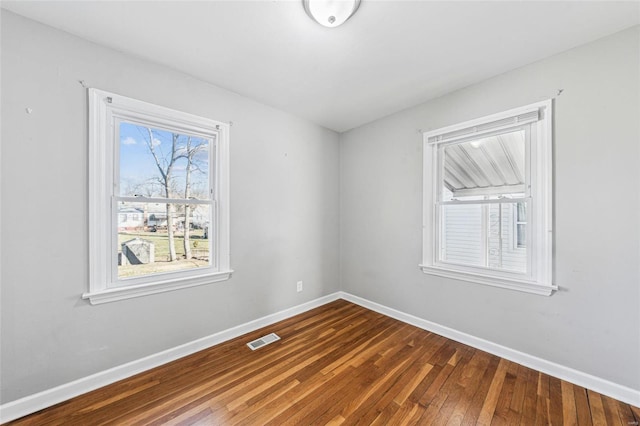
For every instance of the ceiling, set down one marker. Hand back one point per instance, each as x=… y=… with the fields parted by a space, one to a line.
x=390 y=56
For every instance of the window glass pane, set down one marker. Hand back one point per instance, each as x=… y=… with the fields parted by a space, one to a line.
x=483 y=235
x=462 y=240
x=521 y=235
x=159 y=163
x=522 y=212
x=155 y=238
x=485 y=168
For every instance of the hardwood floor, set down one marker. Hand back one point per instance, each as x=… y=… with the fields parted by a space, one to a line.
x=340 y=364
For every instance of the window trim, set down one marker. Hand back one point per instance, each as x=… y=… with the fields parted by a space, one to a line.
x=539 y=279
x=104 y=110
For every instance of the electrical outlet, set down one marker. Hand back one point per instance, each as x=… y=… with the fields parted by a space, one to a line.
x=299 y=286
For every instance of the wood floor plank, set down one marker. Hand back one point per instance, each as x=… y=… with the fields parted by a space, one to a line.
x=635 y=411
x=596 y=408
x=404 y=413
x=456 y=393
x=371 y=403
x=530 y=404
x=431 y=411
x=469 y=379
x=340 y=364
x=611 y=410
x=517 y=398
x=364 y=406
x=626 y=415
x=506 y=394
x=582 y=406
x=434 y=390
x=543 y=406
x=555 y=406
x=490 y=402
x=477 y=402
x=569 y=410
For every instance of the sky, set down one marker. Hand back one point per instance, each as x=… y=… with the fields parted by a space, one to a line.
x=139 y=173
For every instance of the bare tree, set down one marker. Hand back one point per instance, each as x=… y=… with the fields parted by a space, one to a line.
x=151 y=187
x=190 y=154
x=166 y=171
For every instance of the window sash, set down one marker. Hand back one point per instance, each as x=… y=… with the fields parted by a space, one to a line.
x=538 y=196
x=439 y=242
x=116 y=282
x=467 y=136
x=148 y=121
x=440 y=156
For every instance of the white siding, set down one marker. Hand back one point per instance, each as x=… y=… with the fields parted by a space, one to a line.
x=465 y=241
x=462 y=240
x=510 y=257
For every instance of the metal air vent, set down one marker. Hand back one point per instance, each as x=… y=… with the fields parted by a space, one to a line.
x=263 y=341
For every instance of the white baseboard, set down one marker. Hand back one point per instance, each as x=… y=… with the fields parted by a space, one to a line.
x=32 y=403
x=605 y=387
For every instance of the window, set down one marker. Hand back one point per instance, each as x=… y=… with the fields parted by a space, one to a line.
x=487 y=200
x=158 y=200
x=520 y=226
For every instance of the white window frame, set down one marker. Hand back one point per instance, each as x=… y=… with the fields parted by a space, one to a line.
x=537 y=119
x=105 y=111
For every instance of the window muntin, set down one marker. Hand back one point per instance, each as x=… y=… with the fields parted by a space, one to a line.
x=488 y=200
x=159 y=211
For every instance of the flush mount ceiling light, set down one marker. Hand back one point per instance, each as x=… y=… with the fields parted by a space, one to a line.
x=330 y=13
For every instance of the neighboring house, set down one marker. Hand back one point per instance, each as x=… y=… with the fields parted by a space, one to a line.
x=472 y=235
x=199 y=217
x=130 y=218
x=157 y=217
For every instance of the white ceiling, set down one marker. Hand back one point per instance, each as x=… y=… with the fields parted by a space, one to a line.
x=391 y=55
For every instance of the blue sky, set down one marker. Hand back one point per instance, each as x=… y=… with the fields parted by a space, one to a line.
x=138 y=170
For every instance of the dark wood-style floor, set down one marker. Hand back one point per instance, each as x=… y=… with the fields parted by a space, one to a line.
x=340 y=364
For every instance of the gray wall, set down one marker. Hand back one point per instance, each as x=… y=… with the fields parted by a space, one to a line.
x=593 y=323
x=284 y=213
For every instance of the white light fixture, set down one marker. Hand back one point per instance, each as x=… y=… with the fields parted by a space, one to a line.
x=330 y=13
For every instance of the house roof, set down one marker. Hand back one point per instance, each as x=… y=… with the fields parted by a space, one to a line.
x=488 y=166
x=130 y=210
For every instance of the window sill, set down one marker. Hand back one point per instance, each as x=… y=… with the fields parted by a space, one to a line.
x=120 y=293
x=511 y=284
